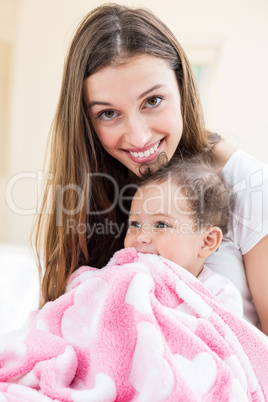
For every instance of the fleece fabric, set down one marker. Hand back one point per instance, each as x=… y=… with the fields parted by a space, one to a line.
x=140 y=329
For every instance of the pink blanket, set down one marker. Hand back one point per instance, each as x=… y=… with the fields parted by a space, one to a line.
x=141 y=329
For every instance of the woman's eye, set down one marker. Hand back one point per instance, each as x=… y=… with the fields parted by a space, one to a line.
x=107 y=115
x=134 y=224
x=153 y=101
x=161 y=225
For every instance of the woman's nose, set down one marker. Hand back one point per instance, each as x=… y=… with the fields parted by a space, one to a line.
x=138 y=132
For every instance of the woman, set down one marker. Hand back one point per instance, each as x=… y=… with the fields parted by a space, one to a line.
x=128 y=95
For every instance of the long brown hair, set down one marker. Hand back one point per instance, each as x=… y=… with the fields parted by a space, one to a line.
x=78 y=165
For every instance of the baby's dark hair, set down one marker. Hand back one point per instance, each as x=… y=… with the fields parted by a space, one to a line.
x=208 y=195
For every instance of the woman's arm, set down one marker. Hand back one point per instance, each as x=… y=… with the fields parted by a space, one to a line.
x=256 y=265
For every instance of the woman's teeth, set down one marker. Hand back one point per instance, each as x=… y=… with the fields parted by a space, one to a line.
x=146 y=153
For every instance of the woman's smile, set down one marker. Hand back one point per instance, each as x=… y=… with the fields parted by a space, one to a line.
x=135 y=110
x=146 y=154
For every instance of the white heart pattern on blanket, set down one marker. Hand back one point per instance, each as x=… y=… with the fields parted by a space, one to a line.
x=200 y=372
x=140 y=285
x=84 y=318
x=151 y=373
x=145 y=331
x=10 y=354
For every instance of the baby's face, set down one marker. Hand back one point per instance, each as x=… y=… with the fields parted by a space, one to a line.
x=160 y=222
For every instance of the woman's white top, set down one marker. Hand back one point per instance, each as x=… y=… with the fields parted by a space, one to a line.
x=249 y=223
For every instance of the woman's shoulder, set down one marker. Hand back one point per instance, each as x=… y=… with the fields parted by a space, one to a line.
x=222 y=152
x=239 y=164
x=248 y=178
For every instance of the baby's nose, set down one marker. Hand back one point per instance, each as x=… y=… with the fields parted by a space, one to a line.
x=144 y=236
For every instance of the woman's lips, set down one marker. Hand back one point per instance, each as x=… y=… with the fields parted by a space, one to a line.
x=147 y=155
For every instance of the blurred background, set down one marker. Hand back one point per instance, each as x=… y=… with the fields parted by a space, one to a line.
x=226 y=41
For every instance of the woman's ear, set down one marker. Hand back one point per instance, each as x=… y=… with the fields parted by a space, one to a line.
x=211 y=240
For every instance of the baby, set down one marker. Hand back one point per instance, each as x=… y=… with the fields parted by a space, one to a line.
x=181 y=213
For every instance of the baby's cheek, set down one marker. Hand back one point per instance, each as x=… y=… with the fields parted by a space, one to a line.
x=169 y=250
x=128 y=242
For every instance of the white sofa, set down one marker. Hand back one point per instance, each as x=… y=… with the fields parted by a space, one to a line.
x=19 y=286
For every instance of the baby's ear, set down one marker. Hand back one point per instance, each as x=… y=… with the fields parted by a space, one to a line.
x=211 y=240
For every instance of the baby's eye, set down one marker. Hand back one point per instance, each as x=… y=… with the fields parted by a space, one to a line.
x=161 y=225
x=153 y=101
x=134 y=224
x=107 y=115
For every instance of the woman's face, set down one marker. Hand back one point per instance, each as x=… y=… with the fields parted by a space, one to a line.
x=135 y=110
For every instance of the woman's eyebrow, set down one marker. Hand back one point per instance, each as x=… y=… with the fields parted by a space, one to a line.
x=93 y=103
x=150 y=90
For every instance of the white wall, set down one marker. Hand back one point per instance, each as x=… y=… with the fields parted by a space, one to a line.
x=8 y=14
x=233 y=32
